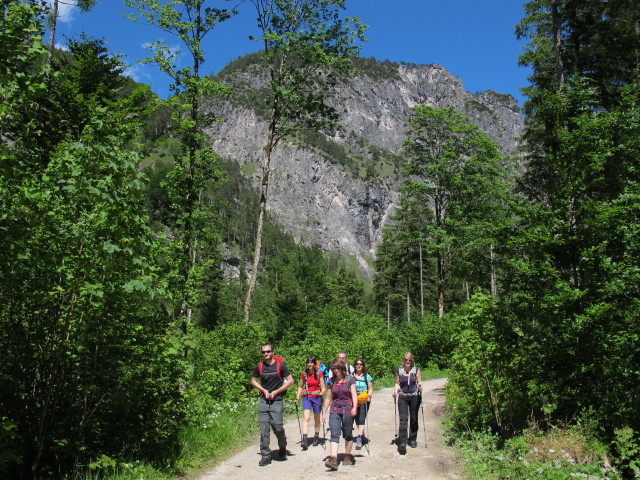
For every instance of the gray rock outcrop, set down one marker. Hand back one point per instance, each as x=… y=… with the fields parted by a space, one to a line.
x=317 y=199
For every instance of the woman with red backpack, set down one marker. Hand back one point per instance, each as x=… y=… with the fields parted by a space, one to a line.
x=311 y=389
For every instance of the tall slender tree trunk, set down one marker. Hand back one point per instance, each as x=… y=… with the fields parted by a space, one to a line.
x=52 y=32
x=408 y=307
x=440 y=266
x=556 y=25
x=421 y=285
x=190 y=245
x=494 y=277
x=264 y=188
x=439 y=213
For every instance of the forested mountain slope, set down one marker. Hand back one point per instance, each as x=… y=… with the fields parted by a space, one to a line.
x=336 y=189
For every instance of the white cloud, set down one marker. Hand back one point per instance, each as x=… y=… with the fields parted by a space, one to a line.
x=66 y=11
x=139 y=73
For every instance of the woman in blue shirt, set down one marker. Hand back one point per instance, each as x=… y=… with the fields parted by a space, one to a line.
x=363 y=384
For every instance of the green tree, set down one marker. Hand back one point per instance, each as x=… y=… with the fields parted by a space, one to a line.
x=454 y=166
x=565 y=328
x=306 y=51
x=77 y=281
x=190 y=186
x=400 y=266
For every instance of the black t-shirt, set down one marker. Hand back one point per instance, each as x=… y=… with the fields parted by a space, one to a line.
x=269 y=378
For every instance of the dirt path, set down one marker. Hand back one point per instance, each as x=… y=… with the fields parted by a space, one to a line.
x=382 y=462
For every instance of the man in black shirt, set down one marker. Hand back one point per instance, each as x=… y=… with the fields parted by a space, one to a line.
x=270 y=409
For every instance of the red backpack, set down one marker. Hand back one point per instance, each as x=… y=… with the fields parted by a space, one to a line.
x=278 y=360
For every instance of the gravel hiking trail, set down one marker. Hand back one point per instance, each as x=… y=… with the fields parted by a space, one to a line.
x=435 y=461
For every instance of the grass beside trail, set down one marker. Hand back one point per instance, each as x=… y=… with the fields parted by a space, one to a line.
x=221 y=432
x=560 y=454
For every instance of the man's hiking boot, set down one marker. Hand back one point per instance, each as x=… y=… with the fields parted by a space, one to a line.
x=283 y=453
x=348 y=460
x=413 y=444
x=264 y=461
x=402 y=449
x=316 y=440
x=332 y=463
x=358 y=442
x=305 y=442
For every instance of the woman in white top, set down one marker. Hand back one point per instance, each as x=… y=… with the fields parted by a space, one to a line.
x=408 y=390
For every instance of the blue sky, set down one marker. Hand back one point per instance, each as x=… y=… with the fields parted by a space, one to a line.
x=473 y=40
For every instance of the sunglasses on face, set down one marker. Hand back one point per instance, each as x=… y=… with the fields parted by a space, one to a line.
x=358 y=364
x=266 y=351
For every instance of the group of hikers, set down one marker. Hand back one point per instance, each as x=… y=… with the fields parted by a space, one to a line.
x=347 y=391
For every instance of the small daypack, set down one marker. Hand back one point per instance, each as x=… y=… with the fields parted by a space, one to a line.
x=412 y=374
x=325 y=373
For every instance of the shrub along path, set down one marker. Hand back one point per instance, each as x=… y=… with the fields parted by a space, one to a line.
x=382 y=462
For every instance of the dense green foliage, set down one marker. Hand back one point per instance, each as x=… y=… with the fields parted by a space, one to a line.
x=547 y=331
x=80 y=325
x=451 y=209
x=559 y=344
x=125 y=243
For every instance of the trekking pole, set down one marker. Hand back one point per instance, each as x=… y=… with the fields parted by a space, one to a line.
x=299 y=426
x=324 y=437
x=395 y=418
x=366 y=426
x=423 y=423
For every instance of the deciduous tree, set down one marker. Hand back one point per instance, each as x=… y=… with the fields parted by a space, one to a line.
x=306 y=50
x=190 y=185
x=454 y=166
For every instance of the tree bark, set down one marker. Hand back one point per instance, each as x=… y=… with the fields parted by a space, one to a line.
x=494 y=277
x=441 y=283
x=261 y=214
x=556 y=25
x=52 y=32
x=421 y=286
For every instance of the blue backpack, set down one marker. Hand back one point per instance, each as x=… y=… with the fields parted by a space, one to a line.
x=325 y=373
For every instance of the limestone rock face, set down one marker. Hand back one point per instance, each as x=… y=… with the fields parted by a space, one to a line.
x=317 y=199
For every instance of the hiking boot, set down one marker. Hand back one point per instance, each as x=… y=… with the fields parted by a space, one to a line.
x=402 y=449
x=316 y=440
x=358 y=442
x=348 y=460
x=283 y=453
x=264 y=461
x=413 y=444
x=332 y=463
x=304 y=443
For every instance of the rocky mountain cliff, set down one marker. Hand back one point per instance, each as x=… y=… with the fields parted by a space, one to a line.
x=337 y=191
